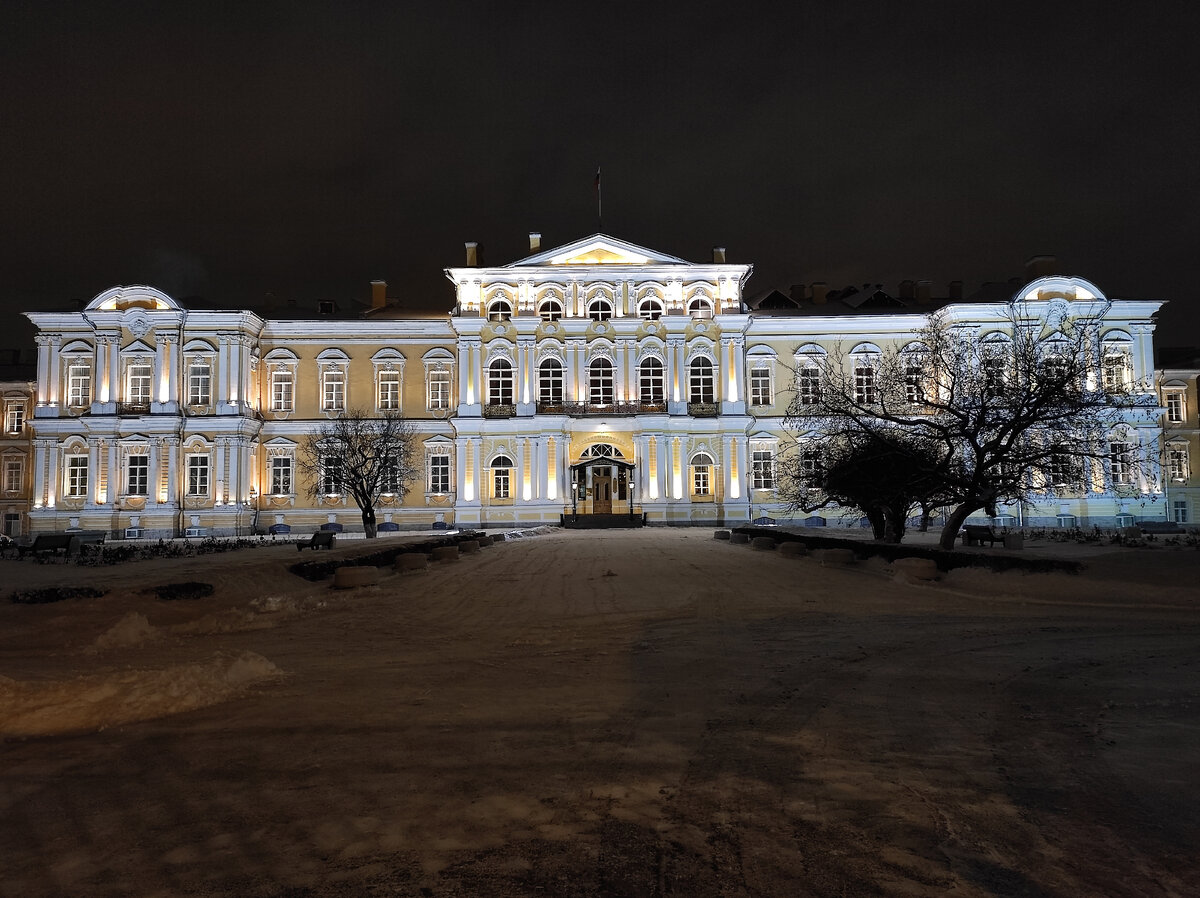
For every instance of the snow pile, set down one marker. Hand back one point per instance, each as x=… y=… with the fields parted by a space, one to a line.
x=133 y=629
x=102 y=700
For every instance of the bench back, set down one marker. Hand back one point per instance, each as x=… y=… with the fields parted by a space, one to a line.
x=52 y=541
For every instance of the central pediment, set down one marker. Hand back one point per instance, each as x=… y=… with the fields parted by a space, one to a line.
x=599 y=249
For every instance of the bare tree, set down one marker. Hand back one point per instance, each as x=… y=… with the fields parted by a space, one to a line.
x=362 y=456
x=1003 y=415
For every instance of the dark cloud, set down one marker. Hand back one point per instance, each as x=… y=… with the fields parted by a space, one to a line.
x=305 y=148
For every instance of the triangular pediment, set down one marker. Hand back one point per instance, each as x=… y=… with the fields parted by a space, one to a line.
x=599 y=249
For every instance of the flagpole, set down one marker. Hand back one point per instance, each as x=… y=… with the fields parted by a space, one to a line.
x=599 y=201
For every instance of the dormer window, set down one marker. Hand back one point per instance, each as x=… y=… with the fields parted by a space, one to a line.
x=325 y=307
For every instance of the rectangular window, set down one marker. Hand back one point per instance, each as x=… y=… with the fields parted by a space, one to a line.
x=600 y=383
x=332 y=475
x=1121 y=463
x=700 y=382
x=333 y=397
x=1175 y=412
x=550 y=383
x=810 y=464
x=1116 y=371
x=79 y=385
x=139 y=385
x=282 y=395
x=864 y=384
x=993 y=375
x=1062 y=471
x=389 y=478
x=914 y=384
x=14 y=474
x=438 y=383
x=501 y=483
x=1177 y=462
x=650 y=382
x=1179 y=511
x=762 y=469
x=281 y=475
x=500 y=383
x=77 y=476
x=389 y=391
x=702 y=480
x=137 y=475
x=761 y=392
x=439 y=473
x=14 y=416
x=197 y=475
x=199 y=383
x=808 y=385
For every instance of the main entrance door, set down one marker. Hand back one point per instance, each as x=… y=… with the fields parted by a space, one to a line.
x=602 y=484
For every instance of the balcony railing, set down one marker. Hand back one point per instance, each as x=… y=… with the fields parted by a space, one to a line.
x=500 y=410
x=133 y=408
x=588 y=409
x=703 y=409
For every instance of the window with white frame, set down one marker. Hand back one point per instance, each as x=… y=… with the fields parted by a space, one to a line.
x=650 y=308
x=198 y=471
x=14 y=474
x=333 y=389
x=864 y=381
x=762 y=468
x=199 y=382
x=439 y=473
x=332 y=475
x=700 y=307
x=388 y=398
x=500 y=382
x=914 y=378
x=75 y=479
x=550 y=382
x=1179 y=511
x=389 y=477
x=550 y=309
x=1062 y=470
x=1055 y=369
x=283 y=387
x=761 y=387
x=137 y=475
x=14 y=415
x=600 y=382
x=1176 y=410
x=79 y=384
x=808 y=385
x=812 y=461
x=701 y=381
x=995 y=375
x=137 y=384
x=600 y=308
x=1121 y=462
x=281 y=475
x=437 y=388
x=502 y=477
x=1117 y=370
x=651 y=382
x=499 y=310
x=702 y=474
x=1177 y=462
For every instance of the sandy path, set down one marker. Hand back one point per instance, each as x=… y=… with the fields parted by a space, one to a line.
x=621 y=714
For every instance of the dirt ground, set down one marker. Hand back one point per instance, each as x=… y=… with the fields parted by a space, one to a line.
x=627 y=713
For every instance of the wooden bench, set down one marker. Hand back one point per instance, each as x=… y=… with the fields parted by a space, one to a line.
x=975 y=534
x=50 y=544
x=322 y=539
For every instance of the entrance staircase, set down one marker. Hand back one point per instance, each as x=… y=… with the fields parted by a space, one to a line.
x=603 y=521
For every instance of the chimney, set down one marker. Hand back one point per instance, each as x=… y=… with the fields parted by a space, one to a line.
x=924 y=289
x=718 y=255
x=819 y=289
x=378 y=294
x=955 y=291
x=908 y=289
x=798 y=293
x=1040 y=267
x=472 y=254
x=535 y=242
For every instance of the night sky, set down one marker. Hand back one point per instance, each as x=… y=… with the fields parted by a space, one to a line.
x=303 y=149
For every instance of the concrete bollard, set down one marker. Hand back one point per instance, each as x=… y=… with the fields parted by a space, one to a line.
x=763 y=543
x=721 y=534
x=412 y=561
x=915 y=568
x=835 y=557
x=738 y=539
x=445 y=553
x=485 y=541
x=349 y=577
x=468 y=546
x=794 y=549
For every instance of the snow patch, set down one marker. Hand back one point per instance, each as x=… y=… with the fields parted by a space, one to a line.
x=97 y=701
x=131 y=630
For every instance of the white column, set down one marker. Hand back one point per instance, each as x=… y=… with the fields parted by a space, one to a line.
x=171 y=390
x=114 y=474
x=219 y=495
x=55 y=369
x=233 y=482
x=171 y=445
x=154 y=474
x=40 y=452
x=464 y=366
x=678 y=469
x=93 y=489
x=222 y=395
x=727 y=457
x=43 y=371
x=738 y=358
x=54 y=474
x=114 y=368
x=245 y=375
x=100 y=391
x=743 y=479
x=156 y=386
x=480 y=485
x=460 y=471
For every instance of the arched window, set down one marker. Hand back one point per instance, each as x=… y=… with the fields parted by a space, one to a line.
x=499 y=310
x=700 y=307
x=1117 y=363
x=550 y=309
x=500 y=383
x=651 y=382
x=650 y=308
x=702 y=480
x=700 y=381
x=550 y=382
x=600 y=382
x=502 y=477
x=600 y=308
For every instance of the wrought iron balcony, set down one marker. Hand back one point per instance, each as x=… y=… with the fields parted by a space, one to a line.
x=133 y=408
x=598 y=409
x=500 y=410
x=703 y=409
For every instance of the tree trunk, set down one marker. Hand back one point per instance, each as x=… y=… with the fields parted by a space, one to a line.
x=925 y=516
x=955 y=521
x=893 y=524
x=368 y=519
x=878 y=523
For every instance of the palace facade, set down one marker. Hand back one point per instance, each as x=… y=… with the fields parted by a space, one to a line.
x=596 y=378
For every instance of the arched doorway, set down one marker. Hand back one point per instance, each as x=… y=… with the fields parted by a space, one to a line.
x=602 y=482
